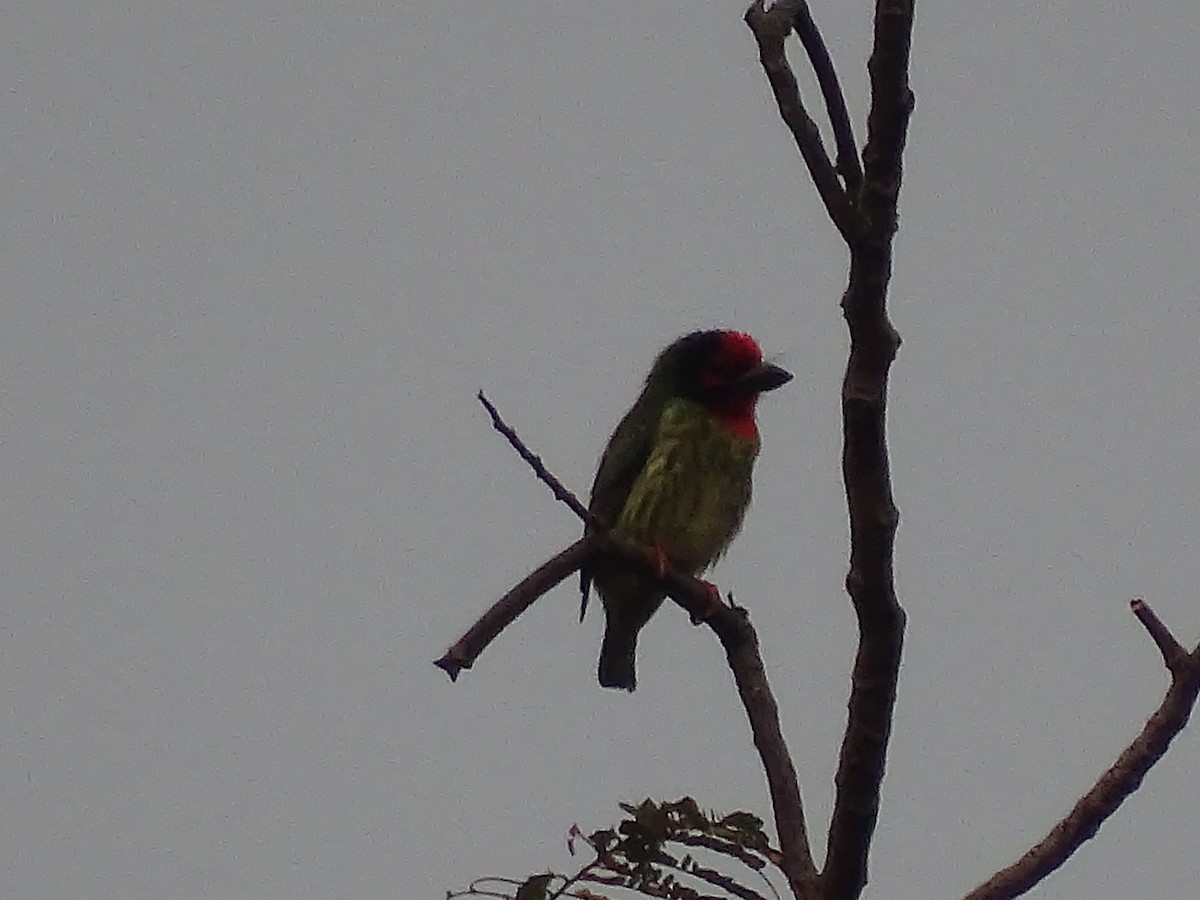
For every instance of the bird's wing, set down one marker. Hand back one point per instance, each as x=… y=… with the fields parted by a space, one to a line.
x=621 y=463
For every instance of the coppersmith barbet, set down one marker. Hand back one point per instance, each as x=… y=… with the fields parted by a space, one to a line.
x=675 y=477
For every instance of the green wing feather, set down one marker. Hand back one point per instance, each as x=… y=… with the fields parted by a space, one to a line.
x=672 y=475
x=620 y=464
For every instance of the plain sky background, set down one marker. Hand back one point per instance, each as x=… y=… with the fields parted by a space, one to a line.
x=256 y=261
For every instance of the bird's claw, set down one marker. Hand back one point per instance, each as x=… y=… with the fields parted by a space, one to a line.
x=714 y=602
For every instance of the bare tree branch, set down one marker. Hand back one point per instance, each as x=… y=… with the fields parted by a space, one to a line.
x=694 y=595
x=865 y=466
x=697 y=597
x=867 y=220
x=535 y=462
x=848 y=164
x=702 y=602
x=1125 y=776
x=740 y=641
x=861 y=197
x=863 y=206
x=1172 y=651
x=771 y=28
x=463 y=652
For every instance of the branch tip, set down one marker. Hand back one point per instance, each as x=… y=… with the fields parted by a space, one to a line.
x=1173 y=653
x=451 y=666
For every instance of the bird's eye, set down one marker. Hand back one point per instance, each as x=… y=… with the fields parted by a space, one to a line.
x=719 y=372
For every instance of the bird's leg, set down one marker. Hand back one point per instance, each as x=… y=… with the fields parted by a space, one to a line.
x=661 y=561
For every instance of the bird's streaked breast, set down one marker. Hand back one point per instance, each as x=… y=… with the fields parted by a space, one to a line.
x=691 y=496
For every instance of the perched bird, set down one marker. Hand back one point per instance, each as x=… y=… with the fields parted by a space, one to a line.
x=676 y=477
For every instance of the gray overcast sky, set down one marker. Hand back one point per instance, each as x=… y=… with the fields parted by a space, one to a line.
x=259 y=257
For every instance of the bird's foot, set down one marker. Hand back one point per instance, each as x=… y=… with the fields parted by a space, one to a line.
x=714 y=602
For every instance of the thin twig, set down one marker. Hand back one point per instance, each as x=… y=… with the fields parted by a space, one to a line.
x=1121 y=780
x=715 y=877
x=751 y=859
x=535 y=462
x=848 y=164
x=564 y=890
x=690 y=593
x=702 y=602
x=771 y=28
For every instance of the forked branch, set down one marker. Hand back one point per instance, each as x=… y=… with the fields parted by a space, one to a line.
x=731 y=624
x=861 y=197
x=849 y=167
x=771 y=28
x=865 y=464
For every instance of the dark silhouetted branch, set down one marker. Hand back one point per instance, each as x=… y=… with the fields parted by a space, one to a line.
x=848 y=164
x=463 y=652
x=740 y=641
x=535 y=462
x=702 y=602
x=771 y=28
x=693 y=595
x=865 y=465
x=1172 y=651
x=1126 y=774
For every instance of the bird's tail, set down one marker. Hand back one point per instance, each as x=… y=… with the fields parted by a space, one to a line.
x=617 y=654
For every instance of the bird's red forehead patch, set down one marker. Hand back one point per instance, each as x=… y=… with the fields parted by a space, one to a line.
x=740 y=350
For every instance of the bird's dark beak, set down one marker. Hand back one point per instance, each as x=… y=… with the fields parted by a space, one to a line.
x=761 y=379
